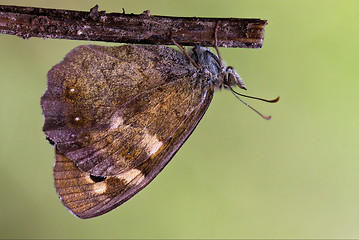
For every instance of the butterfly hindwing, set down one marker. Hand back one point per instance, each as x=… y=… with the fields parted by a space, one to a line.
x=88 y=196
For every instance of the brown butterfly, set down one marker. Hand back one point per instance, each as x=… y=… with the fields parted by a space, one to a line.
x=117 y=115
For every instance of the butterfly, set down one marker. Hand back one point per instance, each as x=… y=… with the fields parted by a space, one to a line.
x=117 y=115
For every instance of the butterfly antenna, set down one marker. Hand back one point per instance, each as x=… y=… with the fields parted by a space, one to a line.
x=257 y=98
x=272 y=101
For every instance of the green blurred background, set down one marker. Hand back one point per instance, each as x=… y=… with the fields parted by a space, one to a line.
x=237 y=176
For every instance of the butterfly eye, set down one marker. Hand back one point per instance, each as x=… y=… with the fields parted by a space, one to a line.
x=97 y=178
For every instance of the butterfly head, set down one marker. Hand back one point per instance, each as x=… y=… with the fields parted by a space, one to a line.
x=213 y=71
x=213 y=74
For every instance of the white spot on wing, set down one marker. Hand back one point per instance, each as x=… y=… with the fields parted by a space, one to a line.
x=116 y=121
x=100 y=187
x=131 y=175
x=150 y=143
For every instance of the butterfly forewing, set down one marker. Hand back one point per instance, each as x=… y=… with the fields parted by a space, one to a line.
x=104 y=121
x=114 y=134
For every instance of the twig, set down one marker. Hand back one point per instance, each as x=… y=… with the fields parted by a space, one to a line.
x=143 y=28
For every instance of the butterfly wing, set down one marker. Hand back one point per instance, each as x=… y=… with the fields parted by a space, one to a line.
x=110 y=108
x=120 y=113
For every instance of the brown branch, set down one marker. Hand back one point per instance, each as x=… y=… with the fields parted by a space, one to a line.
x=144 y=28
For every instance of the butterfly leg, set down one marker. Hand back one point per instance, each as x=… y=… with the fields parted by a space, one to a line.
x=184 y=52
x=216 y=45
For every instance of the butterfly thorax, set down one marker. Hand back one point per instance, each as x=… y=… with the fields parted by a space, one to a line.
x=212 y=72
